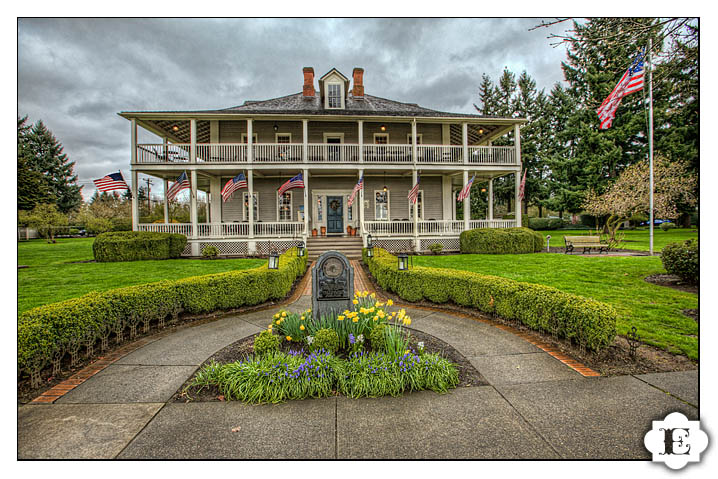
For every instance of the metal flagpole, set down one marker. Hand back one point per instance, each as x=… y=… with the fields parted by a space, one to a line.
x=650 y=142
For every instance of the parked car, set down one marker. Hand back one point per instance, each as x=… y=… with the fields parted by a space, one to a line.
x=655 y=222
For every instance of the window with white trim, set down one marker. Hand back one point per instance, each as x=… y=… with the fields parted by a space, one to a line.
x=244 y=138
x=381 y=138
x=334 y=95
x=418 y=138
x=419 y=204
x=283 y=138
x=284 y=206
x=381 y=205
x=245 y=207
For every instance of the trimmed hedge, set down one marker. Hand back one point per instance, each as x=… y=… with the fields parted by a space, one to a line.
x=585 y=321
x=501 y=241
x=545 y=223
x=137 y=245
x=60 y=326
x=681 y=259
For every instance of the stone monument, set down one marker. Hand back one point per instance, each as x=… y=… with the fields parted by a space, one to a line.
x=332 y=284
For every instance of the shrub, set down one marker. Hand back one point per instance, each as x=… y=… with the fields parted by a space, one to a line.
x=52 y=327
x=98 y=226
x=501 y=241
x=377 y=337
x=266 y=343
x=137 y=245
x=436 y=248
x=327 y=340
x=540 y=224
x=681 y=259
x=584 y=321
x=210 y=251
x=667 y=226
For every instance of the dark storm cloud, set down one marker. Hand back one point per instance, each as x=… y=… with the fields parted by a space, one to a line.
x=76 y=74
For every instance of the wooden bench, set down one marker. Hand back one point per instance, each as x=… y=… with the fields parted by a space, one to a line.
x=585 y=242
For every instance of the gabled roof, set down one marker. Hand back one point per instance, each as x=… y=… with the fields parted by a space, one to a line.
x=334 y=70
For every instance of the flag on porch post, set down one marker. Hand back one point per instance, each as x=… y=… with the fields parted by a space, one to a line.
x=523 y=186
x=182 y=183
x=465 y=190
x=239 y=181
x=630 y=82
x=296 y=182
x=113 y=181
x=357 y=187
x=414 y=192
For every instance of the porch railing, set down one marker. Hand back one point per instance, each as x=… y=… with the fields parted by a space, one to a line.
x=282 y=229
x=325 y=153
x=178 y=228
x=430 y=227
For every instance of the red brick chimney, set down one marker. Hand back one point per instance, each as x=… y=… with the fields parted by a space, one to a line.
x=358 y=90
x=308 y=89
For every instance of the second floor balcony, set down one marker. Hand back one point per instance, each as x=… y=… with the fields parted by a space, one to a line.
x=324 y=153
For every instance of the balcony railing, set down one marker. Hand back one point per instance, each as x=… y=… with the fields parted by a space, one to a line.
x=430 y=227
x=317 y=153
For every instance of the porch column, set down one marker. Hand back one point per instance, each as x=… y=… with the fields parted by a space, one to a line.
x=414 y=149
x=135 y=203
x=517 y=146
x=305 y=173
x=215 y=196
x=305 y=146
x=250 y=148
x=465 y=142
x=135 y=179
x=193 y=211
x=193 y=141
x=517 y=188
x=446 y=197
x=361 y=207
x=415 y=206
x=251 y=245
x=467 y=202
x=167 y=206
x=361 y=147
x=491 y=199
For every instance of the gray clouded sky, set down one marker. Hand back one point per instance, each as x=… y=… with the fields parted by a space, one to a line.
x=76 y=74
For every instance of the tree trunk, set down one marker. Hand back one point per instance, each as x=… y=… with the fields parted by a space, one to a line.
x=540 y=208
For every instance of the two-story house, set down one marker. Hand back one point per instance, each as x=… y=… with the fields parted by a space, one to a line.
x=333 y=135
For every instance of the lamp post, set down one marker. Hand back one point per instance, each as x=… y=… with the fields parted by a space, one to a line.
x=301 y=249
x=273 y=260
x=369 y=241
x=403 y=261
x=548 y=241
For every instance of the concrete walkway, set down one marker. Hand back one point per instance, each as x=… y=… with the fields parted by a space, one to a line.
x=534 y=407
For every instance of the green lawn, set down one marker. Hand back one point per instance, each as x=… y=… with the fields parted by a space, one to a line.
x=618 y=281
x=637 y=239
x=52 y=278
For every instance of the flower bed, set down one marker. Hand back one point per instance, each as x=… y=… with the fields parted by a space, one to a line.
x=363 y=352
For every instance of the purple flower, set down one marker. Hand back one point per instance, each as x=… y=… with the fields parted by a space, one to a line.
x=351 y=338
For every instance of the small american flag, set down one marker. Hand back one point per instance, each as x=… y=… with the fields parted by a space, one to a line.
x=232 y=185
x=113 y=181
x=357 y=187
x=414 y=193
x=465 y=191
x=522 y=187
x=630 y=82
x=296 y=182
x=182 y=183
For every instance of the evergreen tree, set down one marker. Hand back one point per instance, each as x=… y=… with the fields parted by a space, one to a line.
x=31 y=188
x=45 y=156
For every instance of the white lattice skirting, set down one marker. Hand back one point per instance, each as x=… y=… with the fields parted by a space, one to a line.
x=241 y=248
x=449 y=244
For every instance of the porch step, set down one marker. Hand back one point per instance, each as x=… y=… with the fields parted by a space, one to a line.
x=350 y=246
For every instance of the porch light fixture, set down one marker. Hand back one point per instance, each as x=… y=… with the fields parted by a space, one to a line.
x=301 y=249
x=175 y=128
x=382 y=127
x=481 y=131
x=276 y=128
x=370 y=251
x=483 y=190
x=369 y=241
x=403 y=261
x=273 y=260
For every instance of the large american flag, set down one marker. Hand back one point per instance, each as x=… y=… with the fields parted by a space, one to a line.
x=232 y=185
x=113 y=181
x=465 y=191
x=414 y=193
x=296 y=182
x=522 y=187
x=182 y=183
x=357 y=187
x=630 y=82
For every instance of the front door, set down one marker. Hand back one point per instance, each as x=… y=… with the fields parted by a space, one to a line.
x=335 y=214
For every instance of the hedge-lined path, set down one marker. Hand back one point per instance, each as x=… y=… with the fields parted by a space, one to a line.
x=533 y=407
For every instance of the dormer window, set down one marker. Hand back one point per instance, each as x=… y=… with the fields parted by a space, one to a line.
x=334 y=95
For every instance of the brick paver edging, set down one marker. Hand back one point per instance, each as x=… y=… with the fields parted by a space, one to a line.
x=59 y=390
x=549 y=349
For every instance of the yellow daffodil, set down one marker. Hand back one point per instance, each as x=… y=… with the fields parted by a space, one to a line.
x=340 y=317
x=276 y=316
x=407 y=351
x=279 y=322
x=376 y=318
x=373 y=295
x=357 y=293
x=355 y=320
x=379 y=304
x=302 y=318
x=356 y=301
x=389 y=302
x=381 y=314
x=289 y=338
x=371 y=310
x=284 y=314
x=301 y=327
